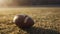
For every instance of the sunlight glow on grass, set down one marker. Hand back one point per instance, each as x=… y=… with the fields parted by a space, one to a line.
x=46 y=18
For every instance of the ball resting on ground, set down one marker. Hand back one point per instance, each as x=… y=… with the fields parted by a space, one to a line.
x=23 y=21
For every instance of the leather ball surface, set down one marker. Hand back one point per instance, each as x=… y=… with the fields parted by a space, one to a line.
x=23 y=21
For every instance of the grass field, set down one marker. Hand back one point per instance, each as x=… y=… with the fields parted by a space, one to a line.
x=47 y=20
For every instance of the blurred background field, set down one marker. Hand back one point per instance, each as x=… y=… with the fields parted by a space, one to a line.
x=47 y=20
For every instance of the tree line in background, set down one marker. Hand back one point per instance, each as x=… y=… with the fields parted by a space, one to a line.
x=40 y=2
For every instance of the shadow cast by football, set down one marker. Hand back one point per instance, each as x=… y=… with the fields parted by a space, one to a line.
x=36 y=30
